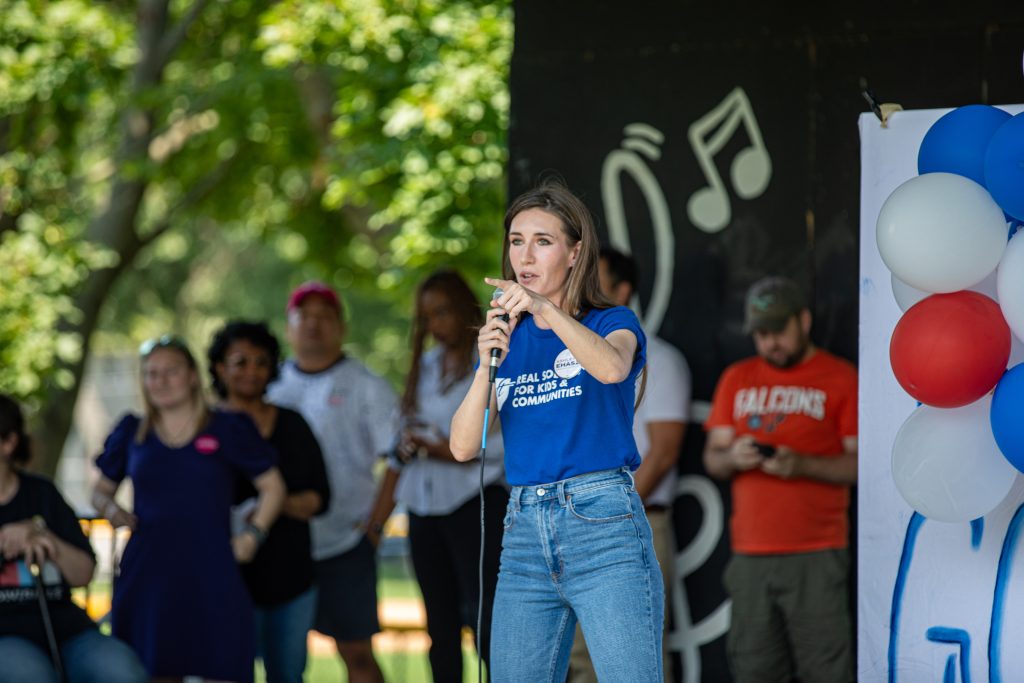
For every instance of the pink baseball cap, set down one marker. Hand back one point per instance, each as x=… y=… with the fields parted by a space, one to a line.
x=313 y=287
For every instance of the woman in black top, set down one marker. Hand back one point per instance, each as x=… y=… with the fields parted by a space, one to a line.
x=38 y=530
x=243 y=360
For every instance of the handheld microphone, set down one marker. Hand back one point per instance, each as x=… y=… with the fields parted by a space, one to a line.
x=496 y=353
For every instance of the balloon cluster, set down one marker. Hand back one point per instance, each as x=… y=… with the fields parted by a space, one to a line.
x=943 y=234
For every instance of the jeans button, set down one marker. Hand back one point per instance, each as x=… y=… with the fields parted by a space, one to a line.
x=541 y=492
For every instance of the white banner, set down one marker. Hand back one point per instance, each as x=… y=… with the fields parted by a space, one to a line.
x=937 y=601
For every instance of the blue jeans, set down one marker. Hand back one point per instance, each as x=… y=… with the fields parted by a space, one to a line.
x=578 y=549
x=281 y=633
x=89 y=657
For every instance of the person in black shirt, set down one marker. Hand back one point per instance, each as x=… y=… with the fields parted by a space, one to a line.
x=243 y=360
x=39 y=529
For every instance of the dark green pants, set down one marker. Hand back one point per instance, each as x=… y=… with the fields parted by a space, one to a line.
x=790 y=618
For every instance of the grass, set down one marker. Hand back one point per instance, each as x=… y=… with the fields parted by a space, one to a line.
x=397 y=668
x=395 y=580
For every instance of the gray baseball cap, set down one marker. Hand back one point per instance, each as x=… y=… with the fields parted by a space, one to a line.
x=771 y=302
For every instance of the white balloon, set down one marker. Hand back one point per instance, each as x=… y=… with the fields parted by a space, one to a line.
x=1010 y=284
x=906 y=296
x=941 y=232
x=946 y=463
x=1016 y=352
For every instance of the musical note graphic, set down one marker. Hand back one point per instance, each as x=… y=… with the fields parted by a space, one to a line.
x=688 y=637
x=641 y=141
x=709 y=208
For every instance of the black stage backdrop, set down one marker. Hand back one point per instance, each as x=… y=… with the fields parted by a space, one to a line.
x=717 y=142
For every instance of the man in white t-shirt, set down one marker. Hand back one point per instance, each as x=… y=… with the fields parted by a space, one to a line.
x=658 y=427
x=354 y=415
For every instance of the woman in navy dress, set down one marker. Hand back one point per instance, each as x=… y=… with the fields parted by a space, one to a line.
x=180 y=600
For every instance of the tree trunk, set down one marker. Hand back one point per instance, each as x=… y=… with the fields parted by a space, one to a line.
x=114 y=227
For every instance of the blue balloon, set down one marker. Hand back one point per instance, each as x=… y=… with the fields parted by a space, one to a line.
x=957 y=142
x=1007 y=407
x=1004 y=167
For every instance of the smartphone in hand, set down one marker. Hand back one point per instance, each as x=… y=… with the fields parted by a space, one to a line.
x=766 y=450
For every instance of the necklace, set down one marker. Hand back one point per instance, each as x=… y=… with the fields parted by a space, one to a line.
x=178 y=437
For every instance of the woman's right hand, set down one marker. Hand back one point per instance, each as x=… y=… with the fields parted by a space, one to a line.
x=118 y=516
x=494 y=334
x=244 y=547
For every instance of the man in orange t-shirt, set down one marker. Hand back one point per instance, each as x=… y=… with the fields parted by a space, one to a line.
x=783 y=428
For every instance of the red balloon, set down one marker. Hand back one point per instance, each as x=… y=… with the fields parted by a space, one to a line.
x=949 y=350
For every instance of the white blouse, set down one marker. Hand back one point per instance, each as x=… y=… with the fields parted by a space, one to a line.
x=428 y=486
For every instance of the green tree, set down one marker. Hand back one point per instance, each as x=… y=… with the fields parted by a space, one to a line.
x=171 y=163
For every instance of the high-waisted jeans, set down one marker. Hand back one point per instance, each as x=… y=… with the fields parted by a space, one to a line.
x=578 y=549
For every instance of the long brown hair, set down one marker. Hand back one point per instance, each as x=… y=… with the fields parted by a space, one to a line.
x=176 y=345
x=469 y=318
x=582 y=288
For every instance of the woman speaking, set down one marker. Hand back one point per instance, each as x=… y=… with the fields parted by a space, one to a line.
x=577 y=545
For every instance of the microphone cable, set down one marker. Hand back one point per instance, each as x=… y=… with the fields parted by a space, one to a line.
x=483 y=532
x=493 y=370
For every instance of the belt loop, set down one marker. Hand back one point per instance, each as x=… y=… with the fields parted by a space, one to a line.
x=561 y=493
x=629 y=473
x=515 y=493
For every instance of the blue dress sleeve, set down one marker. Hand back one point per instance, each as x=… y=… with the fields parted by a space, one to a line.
x=246 y=449
x=113 y=461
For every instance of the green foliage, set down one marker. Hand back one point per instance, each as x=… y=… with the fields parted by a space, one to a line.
x=358 y=141
x=418 y=138
x=40 y=266
x=54 y=58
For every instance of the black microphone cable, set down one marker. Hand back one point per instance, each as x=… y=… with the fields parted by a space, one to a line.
x=483 y=532
x=493 y=371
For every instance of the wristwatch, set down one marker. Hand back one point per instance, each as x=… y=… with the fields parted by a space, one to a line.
x=259 y=534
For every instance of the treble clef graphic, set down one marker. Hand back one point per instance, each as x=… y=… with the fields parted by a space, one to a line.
x=688 y=637
x=641 y=141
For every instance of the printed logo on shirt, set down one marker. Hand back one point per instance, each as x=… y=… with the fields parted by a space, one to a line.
x=9 y=574
x=17 y=584
x=207 y=444
x=779 y=400
x=766 y=423
x=566 y=365
x=532 y=388
x=502 y=387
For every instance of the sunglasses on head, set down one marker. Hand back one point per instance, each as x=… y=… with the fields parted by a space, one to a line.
x=165 y=341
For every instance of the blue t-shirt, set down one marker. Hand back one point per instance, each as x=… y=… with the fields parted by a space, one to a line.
x=557 y=420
